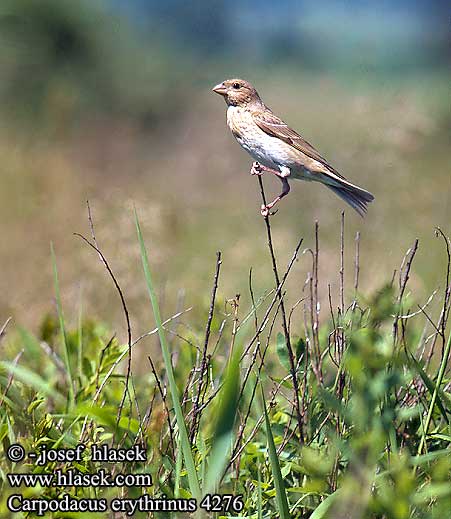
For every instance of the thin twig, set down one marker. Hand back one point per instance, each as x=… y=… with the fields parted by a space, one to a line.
x=103 y=259
x=403 y=279
x=447 y=295
x=204 y=351
x=11 y=375
x=341 y=335
x=284 y=318
x=163 y=398
x=357 y=262
x=276 y=297
x=3 y=328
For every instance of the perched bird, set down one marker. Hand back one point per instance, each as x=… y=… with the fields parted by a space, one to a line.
x=278 y=149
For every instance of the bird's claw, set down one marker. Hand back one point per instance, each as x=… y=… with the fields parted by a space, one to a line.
x=256 y=169
x=265 y=211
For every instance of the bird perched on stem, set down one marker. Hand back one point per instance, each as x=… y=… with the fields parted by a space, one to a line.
x=278 y=149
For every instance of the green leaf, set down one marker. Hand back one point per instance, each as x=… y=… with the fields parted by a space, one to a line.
x=321 y=511
x=439 y=436
x=299 y=347
x=106 y=416
x=430 y=456
x=429 y=384
x=31 y=379
x=282 y=352
x=432 y=491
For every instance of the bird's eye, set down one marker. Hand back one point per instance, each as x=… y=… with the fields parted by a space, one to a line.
x=236 y=86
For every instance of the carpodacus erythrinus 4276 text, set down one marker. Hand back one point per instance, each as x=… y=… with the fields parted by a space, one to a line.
x=279 y=149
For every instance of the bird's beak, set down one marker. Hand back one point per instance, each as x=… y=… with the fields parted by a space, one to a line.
x=220 y=89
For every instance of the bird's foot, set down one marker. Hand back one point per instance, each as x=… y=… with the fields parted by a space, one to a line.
x=265 y=210
x=257 y=169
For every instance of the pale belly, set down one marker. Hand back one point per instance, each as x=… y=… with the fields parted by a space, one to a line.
x=269 y=152
x=264 y=151
x=263 y=148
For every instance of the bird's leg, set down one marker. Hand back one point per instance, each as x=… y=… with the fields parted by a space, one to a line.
x=256 y=169
x=259 y=169
x=285 y=190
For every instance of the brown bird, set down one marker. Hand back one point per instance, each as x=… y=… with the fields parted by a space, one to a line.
x=280 y=150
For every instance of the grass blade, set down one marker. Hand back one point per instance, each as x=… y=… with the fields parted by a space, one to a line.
x=281 y=496
x=435 y=398
x=184 y=440
x=226 y=415
x=32 y=380
x=429 y=384
x=59 y=308
x=321 y=511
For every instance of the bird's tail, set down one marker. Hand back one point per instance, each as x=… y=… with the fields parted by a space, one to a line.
x=355 y=196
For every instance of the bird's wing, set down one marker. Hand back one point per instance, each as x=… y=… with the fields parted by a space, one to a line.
x=274 y=126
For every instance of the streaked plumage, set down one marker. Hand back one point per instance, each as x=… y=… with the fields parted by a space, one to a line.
x=279 y=149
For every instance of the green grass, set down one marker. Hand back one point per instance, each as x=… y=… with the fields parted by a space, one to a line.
x=175 y=397
x=374 y=393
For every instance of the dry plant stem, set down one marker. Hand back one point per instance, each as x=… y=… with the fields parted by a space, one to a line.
x=357 y=262
x=254 y=308
x=190 y=383
x=444 y=314
x=316 y=303
x=102 y=354
x=441 y=373
x=403 y=279
x=140 y=338
x=445 y=354
x=339 y=339
x=11 y=375
x=148 y=413
x=165 y=404
x=3 y=328
x=54 y=357
x=97 y=393
x=284 y=319
x=342 y=263
x=421 y=309
x=138 y=414
x=257 y=350
x=341 y=343
x=203 y=363
x=334 y=330
x=239 y=447
x=312 y=283
x=155 y=330
x=356 y=272
x=94 y=246
x=276 y=297
x=341 y=376
x=127 y=317
x=240 y=435
x=235 y=305
x=255 y=353
x=310 y=321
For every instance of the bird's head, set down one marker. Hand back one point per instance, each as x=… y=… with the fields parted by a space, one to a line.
x=237 y=92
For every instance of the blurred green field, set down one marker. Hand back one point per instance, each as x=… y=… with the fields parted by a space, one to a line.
x=189 y=181
x=93 y=108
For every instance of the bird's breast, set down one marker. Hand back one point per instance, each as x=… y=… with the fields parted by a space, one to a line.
x=262 y=147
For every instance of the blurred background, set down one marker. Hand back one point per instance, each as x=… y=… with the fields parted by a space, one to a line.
x=112 y=102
